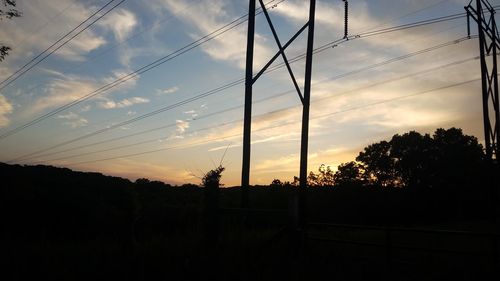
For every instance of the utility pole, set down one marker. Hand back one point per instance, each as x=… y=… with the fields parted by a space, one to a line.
x=247 y=119
x=305 y=99
x=484 y=15
x=306 y=102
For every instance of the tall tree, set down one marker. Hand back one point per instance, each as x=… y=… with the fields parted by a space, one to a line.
x=447 y=158
x=414 y=156
x=459 y=156
x=7 y=11
x=350 y=173
x=324 y=177
x=379 y=165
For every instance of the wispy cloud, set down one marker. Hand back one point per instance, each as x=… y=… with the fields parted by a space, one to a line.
x=328 y=13
x=73 y=120
x=85 y=43
x=117 y=74
x=68 y=88
x=26 y=35
x=110 y=104
x=192 y=113
x=61 y=91
x=166 y=91
x=181 y=126
x=122 y=22
x=86 y=108
x=288 y=163
x=207 y=16
x=5 y=109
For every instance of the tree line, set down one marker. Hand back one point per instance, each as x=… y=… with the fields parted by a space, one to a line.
x=411 y=160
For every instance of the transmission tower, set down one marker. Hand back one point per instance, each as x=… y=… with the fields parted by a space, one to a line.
x=305 y=97
x=484 y=15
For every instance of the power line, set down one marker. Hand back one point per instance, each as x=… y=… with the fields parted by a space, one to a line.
x=183 y=50
x=137 y=34
x=239 y=120
x=227 y=27
x=141 y=32
x=37 y=155
x=149 y=130
x=153 y=65
x=227 y=86
x=278 y=126
x=171 y=56
x=396 y=28
x=21 y=71
x=411 y=13
x=416 y=53
x=219 y=89
x=416 y=24
x=59 y=13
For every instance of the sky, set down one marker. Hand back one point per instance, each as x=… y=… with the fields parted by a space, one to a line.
x=182 y=118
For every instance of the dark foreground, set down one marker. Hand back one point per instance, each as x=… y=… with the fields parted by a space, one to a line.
x=63 y=225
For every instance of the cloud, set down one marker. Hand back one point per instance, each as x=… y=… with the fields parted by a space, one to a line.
x=171 y=90
x=5 y=109
x=208 y=16
x=43 y=23
x=60 y=92
x=86 y=108
x=68 y=88
x=110 y=104
x=330 y=13
x=85 y=43
x=193 y=113
x=73 y=120
x=121 y=22
x=68 y=116
x=181 y=126
x=129 y=80
x=288 y=163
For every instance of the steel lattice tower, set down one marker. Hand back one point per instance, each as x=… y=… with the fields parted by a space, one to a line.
x=484 y=15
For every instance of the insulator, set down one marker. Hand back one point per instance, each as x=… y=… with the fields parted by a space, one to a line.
x=468 y=24
x=346 y=18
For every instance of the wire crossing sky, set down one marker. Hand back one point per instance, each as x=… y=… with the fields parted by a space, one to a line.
x=155 y=88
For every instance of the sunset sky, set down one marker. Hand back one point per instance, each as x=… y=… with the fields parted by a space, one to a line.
x=189 y=109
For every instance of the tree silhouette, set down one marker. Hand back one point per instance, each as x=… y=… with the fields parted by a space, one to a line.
x=213 y=177
x=350 y=173
x=324 y=177
x=459 y=156
x=379 y=165
x=413 y=157
x=276 y=183
x=447 y=158
x=8 y=11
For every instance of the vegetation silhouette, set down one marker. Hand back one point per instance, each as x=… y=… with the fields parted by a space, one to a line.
x=411 y=160
x=79 y=226
x=7 y=12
